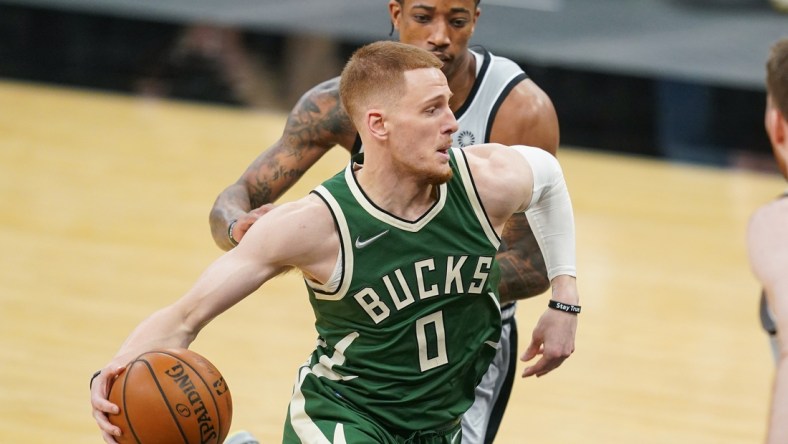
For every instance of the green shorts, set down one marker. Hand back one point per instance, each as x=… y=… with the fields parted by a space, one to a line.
x=318 y=415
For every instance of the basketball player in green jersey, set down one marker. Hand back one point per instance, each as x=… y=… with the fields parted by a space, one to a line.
x=493 y=101
x=399 y=259
x=767 y=240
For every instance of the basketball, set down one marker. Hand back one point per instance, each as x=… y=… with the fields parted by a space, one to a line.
x=171 y=396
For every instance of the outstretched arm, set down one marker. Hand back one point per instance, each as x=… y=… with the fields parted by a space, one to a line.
x=232 y=277
x=315 y=125
x=305 y=238
x=767 y=241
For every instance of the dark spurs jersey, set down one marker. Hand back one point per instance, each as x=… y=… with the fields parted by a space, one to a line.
x=410 y=327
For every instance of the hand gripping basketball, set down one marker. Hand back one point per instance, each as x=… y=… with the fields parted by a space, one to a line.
x=171 y=396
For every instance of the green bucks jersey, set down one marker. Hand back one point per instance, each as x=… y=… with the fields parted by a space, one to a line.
x=410 y=325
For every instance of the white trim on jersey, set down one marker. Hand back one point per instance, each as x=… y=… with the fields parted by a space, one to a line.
x=303 y=425
x=387 y=218
x=327 y=292
x=473 y=198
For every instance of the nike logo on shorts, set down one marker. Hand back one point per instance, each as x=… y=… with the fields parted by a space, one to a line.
x=363 y=243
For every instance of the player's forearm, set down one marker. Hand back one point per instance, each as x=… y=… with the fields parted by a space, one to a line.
x=522 y=278
x=523 y=272
x=232 y=203
x=162 y=329
x=564 y=289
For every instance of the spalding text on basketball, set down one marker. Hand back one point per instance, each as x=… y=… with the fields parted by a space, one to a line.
x=180 y=377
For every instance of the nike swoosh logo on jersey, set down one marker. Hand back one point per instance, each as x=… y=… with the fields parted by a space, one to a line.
x=363 y=243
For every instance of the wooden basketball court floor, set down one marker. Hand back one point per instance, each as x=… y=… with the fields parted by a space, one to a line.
x=104 y=204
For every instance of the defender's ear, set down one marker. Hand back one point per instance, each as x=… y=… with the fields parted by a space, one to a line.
x=476 y=18
x=395 y=12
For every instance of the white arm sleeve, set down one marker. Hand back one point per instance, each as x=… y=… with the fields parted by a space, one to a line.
x=550 y=212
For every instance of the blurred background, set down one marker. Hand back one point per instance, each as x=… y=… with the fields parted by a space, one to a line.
x=677 y=78
x=121 y=120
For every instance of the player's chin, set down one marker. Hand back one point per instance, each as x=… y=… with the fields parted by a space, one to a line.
x=440 y=176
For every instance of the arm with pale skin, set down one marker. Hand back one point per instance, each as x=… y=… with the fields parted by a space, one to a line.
x=299 y=234
x=505 y=181
x=316 y=124
x=526 y=117
x=767 y=241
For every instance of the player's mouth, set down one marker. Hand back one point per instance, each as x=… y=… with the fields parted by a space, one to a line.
x=442 y=56
x=444 y=151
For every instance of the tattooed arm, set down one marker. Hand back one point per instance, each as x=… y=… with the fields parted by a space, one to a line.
x=523 y=272
x=316 y=124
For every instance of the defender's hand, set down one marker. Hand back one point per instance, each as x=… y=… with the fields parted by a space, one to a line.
x=243 y=223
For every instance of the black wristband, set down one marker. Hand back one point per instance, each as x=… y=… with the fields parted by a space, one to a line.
x=93 y=377
x=568 y=308
x=230 y=233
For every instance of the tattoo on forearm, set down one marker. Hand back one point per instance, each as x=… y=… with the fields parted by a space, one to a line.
x=519 y=278
x=523 y=271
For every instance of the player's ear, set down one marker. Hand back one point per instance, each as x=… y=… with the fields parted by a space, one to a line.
x=781 y=134
x=376 y=125
x=776 y=126
x=395 y=12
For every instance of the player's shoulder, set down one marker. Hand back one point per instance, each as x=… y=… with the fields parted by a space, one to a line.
x=767 y=229
x=525 y=97
x=323 y=96
x=481 y=151
x=305 y=219
x=320 y=111
x=329 y=87
x=526 y=116
x=309 y=208
x=495 y=160
x=772 y=213
x=529 y=98
x=501 y=62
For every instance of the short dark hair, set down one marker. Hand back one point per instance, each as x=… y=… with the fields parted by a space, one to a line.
x=777 y=75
